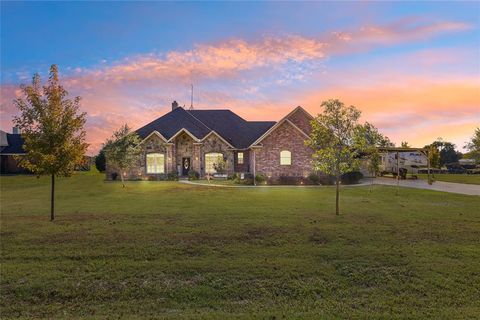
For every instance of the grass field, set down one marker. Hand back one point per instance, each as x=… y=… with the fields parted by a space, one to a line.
x=175 y=251
x=457 y=178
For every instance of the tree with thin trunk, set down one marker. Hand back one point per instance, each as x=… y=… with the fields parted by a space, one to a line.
x=122 y=150
x=473 y=146
x=52 y=129
x=368 y=140
x=333 y=139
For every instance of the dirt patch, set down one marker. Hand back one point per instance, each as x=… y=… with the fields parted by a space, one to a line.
x=318 y=237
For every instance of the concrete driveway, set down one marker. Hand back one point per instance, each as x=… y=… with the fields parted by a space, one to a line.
x=469 y=189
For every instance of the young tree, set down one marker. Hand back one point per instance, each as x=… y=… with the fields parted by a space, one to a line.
x=52 y=129
x=333 y=140
x=367 y=140
x=122 y=150
x=473 y=146
x=433 y=158
x=100 y=161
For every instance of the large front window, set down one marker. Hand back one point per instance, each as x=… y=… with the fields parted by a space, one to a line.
x=155 y=163
x=210 y=160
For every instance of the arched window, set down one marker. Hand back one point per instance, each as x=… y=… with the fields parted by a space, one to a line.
x=285 y=158
x=155 y=163
x=210 y=160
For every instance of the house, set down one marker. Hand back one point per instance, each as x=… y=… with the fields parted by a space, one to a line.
x=182 y=141
x=11 y=145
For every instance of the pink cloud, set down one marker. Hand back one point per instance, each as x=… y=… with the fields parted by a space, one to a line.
x=231 y=73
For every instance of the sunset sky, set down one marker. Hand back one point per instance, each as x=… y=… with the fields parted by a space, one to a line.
x=412 y=68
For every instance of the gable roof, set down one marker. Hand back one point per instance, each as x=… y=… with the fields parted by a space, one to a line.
x=235 y=130
x=13 y=145
x=279 y=123
x=169 y=124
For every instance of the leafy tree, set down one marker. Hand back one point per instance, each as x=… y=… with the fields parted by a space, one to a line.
x=52 y=129
x=122 y=150
x=368 y=139
x=333 y=139
x=473 y=146
x=220 y=165
x=447 y=152
x=404 y=144
x=433 y=156
x=100 y=161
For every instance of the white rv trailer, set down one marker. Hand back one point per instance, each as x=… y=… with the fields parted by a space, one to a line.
x=410 y=159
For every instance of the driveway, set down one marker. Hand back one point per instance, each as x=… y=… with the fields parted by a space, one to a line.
x=469 y=189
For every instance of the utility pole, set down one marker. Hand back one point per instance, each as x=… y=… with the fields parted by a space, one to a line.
x=398 y=171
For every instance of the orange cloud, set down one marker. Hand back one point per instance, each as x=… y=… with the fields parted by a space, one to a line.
x=231 y=74
x=416 y=110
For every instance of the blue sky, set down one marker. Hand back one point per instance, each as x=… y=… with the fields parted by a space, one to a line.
x=259 y=59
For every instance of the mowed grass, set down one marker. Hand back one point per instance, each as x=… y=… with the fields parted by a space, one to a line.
x=457 y=178
x=176 y=251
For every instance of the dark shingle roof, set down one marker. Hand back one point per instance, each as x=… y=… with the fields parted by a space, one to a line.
x=15 y=144
x=172 y=122
x=237 y=131
x=234 y=129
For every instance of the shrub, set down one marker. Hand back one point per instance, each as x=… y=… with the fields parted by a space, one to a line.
x=288 y=180
x=259 y=178
x=114 y=176
x=173 y=176
x=326 y=179
x=352 y=177
x=192 y=175
x=233 y=176
x=100 y=161
x=313 y=178
x=247 y=179
x=152 y=178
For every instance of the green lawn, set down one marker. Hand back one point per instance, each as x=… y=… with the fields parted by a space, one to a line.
x=458 y=178
x=176 y=251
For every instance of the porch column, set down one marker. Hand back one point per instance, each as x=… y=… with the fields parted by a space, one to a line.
x=170 y=158
x=197 y=157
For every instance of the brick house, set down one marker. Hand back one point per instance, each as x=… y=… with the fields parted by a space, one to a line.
x=182 y=141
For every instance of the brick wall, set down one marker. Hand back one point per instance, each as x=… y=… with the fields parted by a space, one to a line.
x=284 y=137
x=302 y=120
x=246 y=160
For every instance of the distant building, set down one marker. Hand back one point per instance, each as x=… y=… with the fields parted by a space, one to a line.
x=11 y=145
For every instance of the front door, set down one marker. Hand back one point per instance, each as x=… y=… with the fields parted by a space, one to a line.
x=185 y=166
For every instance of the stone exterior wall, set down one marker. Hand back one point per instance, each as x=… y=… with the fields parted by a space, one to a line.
x=302 y=120
x=284 y=137
x=184 y=148
x=154 y=144
x=214 y=144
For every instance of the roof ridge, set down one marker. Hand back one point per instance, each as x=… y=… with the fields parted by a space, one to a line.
x=188 y=111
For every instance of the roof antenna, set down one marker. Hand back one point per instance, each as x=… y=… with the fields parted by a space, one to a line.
x=191 y=98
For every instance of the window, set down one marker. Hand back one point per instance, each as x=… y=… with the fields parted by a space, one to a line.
x=210 y=160
x=285 y=158
x=240 y=158
x=155 y=163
